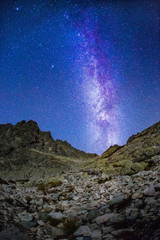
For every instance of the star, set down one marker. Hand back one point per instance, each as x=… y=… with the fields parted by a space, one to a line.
x=97 y=73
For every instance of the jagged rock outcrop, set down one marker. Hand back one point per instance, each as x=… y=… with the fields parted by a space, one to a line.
x=28 y=134
x=26 y=151
x=135 y=156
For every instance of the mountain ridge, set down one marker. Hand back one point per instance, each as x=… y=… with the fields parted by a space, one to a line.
x=136 y=155
x=24 y=146
x=31 y=127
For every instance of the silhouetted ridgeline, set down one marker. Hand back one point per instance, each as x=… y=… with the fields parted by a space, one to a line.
x=27 y=150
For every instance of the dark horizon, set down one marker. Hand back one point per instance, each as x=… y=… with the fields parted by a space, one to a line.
x=69 y=142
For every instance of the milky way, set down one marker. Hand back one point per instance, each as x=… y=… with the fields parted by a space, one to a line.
x=88 y=71
x=99 y=88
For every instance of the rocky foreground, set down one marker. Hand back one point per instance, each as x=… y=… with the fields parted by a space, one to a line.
x=83 y=206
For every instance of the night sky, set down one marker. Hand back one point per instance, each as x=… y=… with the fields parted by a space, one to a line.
x=88 y=71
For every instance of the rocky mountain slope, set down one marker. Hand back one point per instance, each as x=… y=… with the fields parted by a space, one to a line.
x=25 y=152
x=109 y=197
x=133 y=157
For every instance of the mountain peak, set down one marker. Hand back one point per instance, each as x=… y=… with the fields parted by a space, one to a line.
x=25 y=146
x=30 y=125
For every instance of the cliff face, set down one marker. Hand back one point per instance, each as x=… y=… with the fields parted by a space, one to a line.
x=25 y=151
x=137 y=155
x=28 y=135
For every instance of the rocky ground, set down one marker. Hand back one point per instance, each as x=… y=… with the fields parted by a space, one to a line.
x=83 y=206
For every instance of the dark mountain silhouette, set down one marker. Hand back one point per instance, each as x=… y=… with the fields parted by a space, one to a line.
x=26 y=150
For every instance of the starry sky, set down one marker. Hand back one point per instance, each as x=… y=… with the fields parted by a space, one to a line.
x=86 y=70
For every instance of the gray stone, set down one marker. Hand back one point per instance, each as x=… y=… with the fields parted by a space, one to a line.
x=117 y=199
x=108 y=229
x=39 y=202
x=27 y=217
x=56 y=232
x=150 y=201
x=28 y=225
x=104 y=218
x=149 y=191
x=96 y=234
x=92 y=214
x=55 y=196
x=41 y=223
x=43 y=216
x=83 y=231
x=96 y=196
x=56 y=217
x=117 y=218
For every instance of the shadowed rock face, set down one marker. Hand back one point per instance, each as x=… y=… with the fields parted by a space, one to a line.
x=28 y=134
x=25 y=150
x=135 y=156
